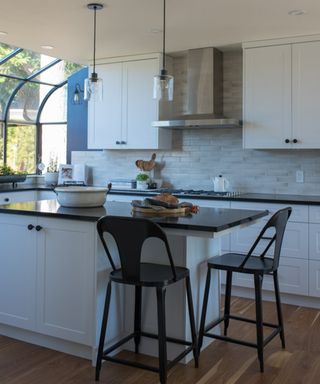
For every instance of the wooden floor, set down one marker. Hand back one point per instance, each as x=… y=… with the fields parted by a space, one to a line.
x=22 y=363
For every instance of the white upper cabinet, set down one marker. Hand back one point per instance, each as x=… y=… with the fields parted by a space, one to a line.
x=306 y=94
x=123 y=120
x=281 y=95
x=267 y=97
x=104 y=118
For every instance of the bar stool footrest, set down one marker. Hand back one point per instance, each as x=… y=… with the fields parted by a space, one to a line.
x=274 y=333
x=124 y=340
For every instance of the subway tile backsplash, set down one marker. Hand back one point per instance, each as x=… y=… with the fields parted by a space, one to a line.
x=200 y=154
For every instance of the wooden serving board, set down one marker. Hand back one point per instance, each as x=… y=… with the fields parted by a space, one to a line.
x=162 y=211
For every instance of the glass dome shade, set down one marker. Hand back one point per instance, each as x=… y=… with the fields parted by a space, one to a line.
x=93 y=88
x=163 y=86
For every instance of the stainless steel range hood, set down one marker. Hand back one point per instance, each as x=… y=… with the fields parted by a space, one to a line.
x=203 y=104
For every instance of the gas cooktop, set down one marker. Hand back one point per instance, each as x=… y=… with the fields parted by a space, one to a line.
x=198 y=192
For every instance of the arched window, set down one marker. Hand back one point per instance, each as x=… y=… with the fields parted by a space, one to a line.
x=33 y=108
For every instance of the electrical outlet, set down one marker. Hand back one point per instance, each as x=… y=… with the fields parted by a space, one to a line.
x=299 y=176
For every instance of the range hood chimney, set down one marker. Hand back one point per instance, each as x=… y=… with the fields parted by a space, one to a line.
x=204 y=100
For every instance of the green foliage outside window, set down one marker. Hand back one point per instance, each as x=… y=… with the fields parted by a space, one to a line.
x=21 y=138
x=21 y=144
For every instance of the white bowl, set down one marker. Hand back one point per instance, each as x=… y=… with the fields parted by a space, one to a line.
x=81 y=197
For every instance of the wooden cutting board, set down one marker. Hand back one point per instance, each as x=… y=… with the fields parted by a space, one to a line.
x=162 y=211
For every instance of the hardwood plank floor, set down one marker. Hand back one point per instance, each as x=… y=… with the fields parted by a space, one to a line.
x=220 y=363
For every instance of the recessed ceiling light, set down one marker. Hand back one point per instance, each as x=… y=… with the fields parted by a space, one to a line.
x=296 y=12
x=3 y=33
x=47 y=47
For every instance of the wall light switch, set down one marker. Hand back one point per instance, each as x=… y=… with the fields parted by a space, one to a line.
x=299 y=176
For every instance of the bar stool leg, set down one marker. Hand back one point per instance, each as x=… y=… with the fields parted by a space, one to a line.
x=279 y=311
x=204 y=310
x=257 y=287
x=192 y=323
x=103 y=330
x=137 y=318
x=227 y=301
x=161 y=294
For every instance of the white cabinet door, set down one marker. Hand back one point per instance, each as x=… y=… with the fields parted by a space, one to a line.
x=123 y=119
x=295 y=241
x=306 y=94
x=104 y=117
x=66 y=288
x=314 y=278
x=314 y=214
x=139 y=131
x=18 y=271
x=292 y=273
x=314 y=241
x=267 y=97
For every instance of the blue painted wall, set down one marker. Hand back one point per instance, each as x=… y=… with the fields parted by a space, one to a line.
x=77 y=116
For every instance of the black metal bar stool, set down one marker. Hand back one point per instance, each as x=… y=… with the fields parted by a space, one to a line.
x=130 y=235
x=258 y=266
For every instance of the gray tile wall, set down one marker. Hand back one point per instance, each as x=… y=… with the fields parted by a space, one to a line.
x=198 y=155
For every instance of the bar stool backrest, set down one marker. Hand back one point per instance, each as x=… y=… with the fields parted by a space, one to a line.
x=278 y=222
x=130 y=234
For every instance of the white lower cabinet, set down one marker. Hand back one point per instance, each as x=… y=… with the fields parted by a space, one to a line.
x=18 y=272
x=47 y=276
x=314 y=251
x=295 y=241
x=294 y=264
x=66 y=266
x=292 y=273
x=314 y=278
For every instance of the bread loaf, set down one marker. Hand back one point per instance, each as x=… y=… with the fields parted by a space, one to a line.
x=167 y=198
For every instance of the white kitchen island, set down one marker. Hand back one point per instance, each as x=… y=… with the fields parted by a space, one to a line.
x=53 y=273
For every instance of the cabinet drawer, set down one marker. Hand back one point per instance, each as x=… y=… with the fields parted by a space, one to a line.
x=314 y=214
x=299 y=212
x=295 y=241
x=314 y=278
x=314 y=241
x=292 y=273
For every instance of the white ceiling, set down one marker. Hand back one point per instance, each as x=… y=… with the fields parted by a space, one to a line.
x=124 y=26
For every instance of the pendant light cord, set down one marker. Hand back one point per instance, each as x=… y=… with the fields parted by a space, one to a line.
x=164 y=36
x=94 y=38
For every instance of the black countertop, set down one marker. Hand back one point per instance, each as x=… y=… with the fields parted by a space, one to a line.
x=207 y=219
x=23 y=187
x=250 y=197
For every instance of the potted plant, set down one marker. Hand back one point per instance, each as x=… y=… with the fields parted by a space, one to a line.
x=9 y=175
x=142 y=181
x=51 y=176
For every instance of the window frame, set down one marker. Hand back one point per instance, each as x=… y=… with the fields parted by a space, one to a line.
x=4 y=119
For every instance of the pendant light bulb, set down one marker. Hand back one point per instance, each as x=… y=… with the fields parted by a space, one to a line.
x=163 y=83
x=93 y=85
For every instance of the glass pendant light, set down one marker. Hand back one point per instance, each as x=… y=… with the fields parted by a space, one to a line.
x=163 y=83
x=93 y=86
